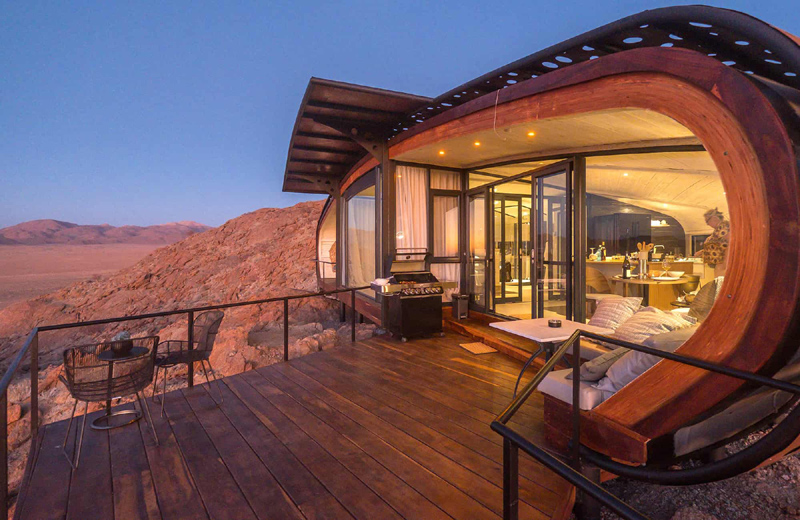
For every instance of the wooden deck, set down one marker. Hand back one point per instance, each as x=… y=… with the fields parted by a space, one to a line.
x=380 y=429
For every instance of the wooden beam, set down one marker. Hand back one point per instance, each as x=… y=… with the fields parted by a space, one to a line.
x=353 y=108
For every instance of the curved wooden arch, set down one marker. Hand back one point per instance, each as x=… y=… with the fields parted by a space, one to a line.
x=747 y=138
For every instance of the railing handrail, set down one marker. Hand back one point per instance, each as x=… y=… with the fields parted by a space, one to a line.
x=14 y=366
x=513 y=441
x=104 y=321
x=31 y=346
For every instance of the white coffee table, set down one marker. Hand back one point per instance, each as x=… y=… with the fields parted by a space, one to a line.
x=545 y=336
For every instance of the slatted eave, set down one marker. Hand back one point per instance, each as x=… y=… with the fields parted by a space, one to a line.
x=322 y=149
x=736 y=39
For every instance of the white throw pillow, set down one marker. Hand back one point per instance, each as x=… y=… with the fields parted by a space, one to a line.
x=613 y=312
x=648 y=322
x=634 y=363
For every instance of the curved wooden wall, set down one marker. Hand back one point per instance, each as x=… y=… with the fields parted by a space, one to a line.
x=748 y=140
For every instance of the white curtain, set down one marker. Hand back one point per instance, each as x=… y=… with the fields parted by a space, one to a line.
x=360 y=240
x=412 y=207
x=447 y=273
x=445 y=180
x=445 y=226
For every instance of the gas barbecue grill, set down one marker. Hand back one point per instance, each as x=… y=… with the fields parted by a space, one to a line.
x=412 y=298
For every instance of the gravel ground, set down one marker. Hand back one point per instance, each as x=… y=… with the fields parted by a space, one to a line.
x=770 y=493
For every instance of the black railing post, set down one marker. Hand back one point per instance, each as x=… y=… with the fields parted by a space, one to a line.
x=286 y=329
x=34 y=386
x=510 y=480
x=190 y=338
x=353 y=317
x=576 y=404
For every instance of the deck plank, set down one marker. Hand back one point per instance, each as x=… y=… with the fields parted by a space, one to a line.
x=93 y=472
x=131 y=480
x=462 y=467
x=311 y=497
x=472 y=433
x=417 y=486
x=47 y=495
x=470 y=450
x=378 y=429
x=177 y=494
x=434 y=388
x=353 y=494
x=262 y=491
x=221 y=494
x=402 y=497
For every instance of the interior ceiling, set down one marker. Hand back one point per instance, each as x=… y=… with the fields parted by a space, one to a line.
x=683 y=185
x=624 y=127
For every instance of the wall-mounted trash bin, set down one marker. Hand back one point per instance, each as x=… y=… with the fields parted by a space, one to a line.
x=461 y=306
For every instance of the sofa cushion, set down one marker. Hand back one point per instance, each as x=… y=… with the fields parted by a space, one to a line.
x=649 y=322
x=595 y=369
x=612 y=312
x=557 y=385
x=634 y=363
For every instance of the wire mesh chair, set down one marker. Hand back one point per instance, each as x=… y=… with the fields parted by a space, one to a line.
x=90 y=378
x=177 y=352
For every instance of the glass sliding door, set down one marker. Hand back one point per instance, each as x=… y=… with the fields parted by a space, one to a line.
x=553 y=255
x=511 y=213
x=477 y=261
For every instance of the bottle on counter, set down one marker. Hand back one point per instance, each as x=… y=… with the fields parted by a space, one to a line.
x=602 y=251
x=626 y=268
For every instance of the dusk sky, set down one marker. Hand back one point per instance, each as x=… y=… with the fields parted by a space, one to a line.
x=143 y=113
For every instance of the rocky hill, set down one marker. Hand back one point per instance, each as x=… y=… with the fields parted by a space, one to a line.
x=39 y=232
x=266 y=253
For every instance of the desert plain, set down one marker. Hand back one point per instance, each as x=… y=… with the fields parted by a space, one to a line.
x=27 y=271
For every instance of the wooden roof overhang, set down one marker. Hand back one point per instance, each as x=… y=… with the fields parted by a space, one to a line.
x=335 y=125
x=751 y=130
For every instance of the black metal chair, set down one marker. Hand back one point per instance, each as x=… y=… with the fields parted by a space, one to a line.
x=90 y=378
x=177 y=352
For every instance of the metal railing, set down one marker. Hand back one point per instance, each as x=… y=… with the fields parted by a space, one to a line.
x=326 y=270
x=571 y=472
x=31 y=348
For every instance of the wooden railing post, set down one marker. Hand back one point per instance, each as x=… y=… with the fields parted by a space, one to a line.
x=34 y=386
x=286 y=329
x=353 y=316
x=190 y=337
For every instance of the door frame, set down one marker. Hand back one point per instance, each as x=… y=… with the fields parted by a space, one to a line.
x=574 y=167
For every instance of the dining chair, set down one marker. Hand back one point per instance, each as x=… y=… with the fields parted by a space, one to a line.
x=92 y=379
x=177 y=352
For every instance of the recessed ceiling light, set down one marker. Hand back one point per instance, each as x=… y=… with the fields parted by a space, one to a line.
x=666 y=205
x=625 y=174
x=531 y=133
x=441 y=152
x=477 y=143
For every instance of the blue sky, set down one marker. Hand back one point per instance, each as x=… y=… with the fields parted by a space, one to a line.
x=149 y=112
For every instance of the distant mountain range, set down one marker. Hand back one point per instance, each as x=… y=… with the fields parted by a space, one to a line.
x=40 y=232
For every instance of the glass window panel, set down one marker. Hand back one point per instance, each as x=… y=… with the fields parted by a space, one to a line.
x=447 y=273
x=361 y=238
x=445 y=180
x=412 y=208
x=326 y=246
x=660 y=199
x=445 y=226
